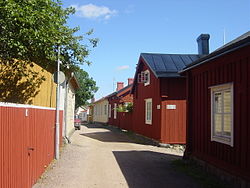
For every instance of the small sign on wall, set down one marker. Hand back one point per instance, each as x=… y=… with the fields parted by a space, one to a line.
x=171 y=106
x=158 y=107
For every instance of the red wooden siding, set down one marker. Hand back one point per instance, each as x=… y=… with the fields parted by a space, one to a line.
x=21 y=167
x=163 y=91
x=125 y=120
x=140 y=94
x=173 y=122
x=119 y=99
x=235 y=68
x=173 y=88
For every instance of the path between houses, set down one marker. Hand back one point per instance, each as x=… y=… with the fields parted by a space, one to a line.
x=107 y=158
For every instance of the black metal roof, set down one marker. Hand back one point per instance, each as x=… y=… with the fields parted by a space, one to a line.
x=168 y=65
x=235 y=44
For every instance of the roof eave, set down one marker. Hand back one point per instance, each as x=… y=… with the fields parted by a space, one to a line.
x=218 y=53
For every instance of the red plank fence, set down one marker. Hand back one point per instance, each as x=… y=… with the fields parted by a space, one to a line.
x=125 y=120
x=27 y=140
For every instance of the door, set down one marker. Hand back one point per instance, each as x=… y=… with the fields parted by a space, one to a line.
x=174 y=121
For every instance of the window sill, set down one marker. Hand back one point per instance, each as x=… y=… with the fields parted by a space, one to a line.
x=223 y=140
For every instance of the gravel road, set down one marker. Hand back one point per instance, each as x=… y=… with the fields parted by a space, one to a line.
x=100 y=156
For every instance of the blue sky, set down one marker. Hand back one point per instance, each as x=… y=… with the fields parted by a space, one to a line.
x=127 y=28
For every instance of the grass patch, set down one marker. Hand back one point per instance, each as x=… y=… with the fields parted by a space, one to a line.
x=205 y=179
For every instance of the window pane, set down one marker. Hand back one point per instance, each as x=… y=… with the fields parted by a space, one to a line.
x=150 y=110
x=227 y=124
x=227 y=101
x=218 y=124
x=218 y=102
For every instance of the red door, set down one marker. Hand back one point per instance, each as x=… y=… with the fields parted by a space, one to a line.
x=174 y=122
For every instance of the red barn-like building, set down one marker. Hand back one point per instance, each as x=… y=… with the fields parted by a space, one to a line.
x=122 y=96
x=218 y=124
x=159 y=110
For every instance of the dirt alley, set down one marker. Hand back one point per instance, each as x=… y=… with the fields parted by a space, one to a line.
x=100 y=156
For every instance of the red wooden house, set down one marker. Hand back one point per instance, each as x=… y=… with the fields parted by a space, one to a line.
x=218 y=94
x=122 y=96
x=159 y=110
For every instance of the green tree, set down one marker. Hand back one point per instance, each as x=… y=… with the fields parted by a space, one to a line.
x=31 y=31
x=87 y=88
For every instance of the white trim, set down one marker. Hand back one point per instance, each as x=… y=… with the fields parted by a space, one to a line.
x=222 y=139
x=109 y=112
x=221 y=86
x=146 y=72
x=115 y=110
x=146 y=110
x=14 y=105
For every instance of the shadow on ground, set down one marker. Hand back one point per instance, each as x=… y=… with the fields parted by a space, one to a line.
x=151 y=169
x=106 y=137
x=114 y=134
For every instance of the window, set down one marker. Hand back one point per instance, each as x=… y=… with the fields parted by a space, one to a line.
x=115 y=110
x=222 y=114
x=148 y=111
x=146 y=77
x=109 y=110
x=105 y=109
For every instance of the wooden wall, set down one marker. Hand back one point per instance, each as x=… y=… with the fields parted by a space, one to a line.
x=27 y=143
x=235 y=68
x=140 y=94
x=173 y=124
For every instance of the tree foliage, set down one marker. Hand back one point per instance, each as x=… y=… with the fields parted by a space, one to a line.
x=87 y=88
x=31 y=31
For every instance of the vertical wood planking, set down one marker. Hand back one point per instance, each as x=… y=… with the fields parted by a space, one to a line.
x=230 y=68
x=18 y=132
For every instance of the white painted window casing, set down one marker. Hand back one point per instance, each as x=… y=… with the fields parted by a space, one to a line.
x=109 y=111
x=222 y=113
x=105 y=109
x=146 y=77
x=115 y=110
x=148 y=111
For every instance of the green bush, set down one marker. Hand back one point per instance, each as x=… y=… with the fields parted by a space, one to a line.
x=125 y=107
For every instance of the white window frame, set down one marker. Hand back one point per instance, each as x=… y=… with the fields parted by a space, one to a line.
x=146 y=77
x=109 y=111
x=115 y=110
x=222 y=138
x=148 y=121
x=105 y=109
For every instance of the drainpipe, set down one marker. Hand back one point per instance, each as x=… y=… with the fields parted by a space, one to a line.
x=57 y=139
x=65 y=112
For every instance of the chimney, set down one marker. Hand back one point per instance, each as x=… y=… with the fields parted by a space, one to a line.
x=130 y=81
x=119 y=86
x=203 y=44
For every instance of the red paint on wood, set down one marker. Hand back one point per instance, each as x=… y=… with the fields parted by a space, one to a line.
x=162 y=91
x=233 y=68
x=173 y=122
x=26 y=145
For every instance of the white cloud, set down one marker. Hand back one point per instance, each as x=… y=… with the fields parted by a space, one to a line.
x=124 y=67
x=93 y=11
